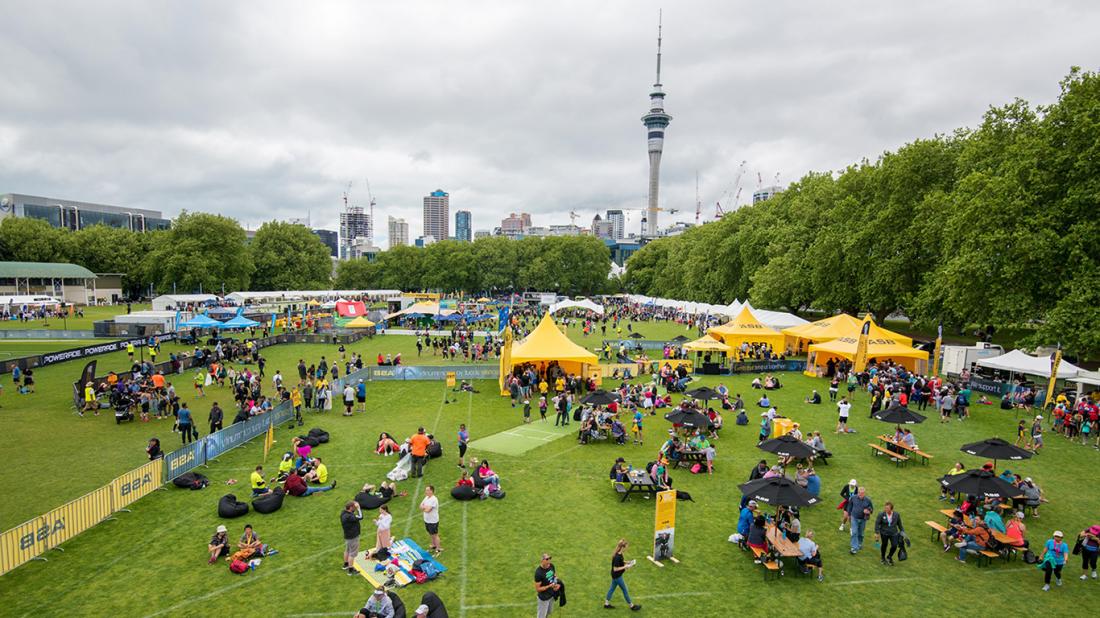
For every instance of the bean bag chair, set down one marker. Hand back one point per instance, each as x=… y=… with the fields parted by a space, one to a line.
x=320 y=434
x=369 y=502
x=464 y=492
x=229 y=507
x=478 y=482
x=270 y=502
x=436 y=608
x=398 y=604
x=435 y=449
x=190 y=480
x=310 y=440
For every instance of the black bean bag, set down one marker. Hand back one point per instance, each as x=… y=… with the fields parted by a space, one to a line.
x=270 y=502
x=478 y=481
x=320 y=434
x=398 y=604
x=464 y=492
x=370 y=502
x=310 y=440
x=435 y=449
x=436 y=608
x=190 y=480
x=229 y=507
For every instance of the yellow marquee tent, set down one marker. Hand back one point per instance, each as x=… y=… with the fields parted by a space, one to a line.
x=835 y=327
x=881 y=345
x=706 y=343
x=547 y=344
x=746 y=328
x=359 y=322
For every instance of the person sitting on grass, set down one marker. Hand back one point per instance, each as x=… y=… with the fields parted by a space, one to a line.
x=219 y=545
x=465 y=480
x=286 y=464
x=386 y=444
x=318 y=472
x=250 y=545
x=295 y=485
x=486 y=474
x=814 y=398
x=259 y=485
x=378 y=605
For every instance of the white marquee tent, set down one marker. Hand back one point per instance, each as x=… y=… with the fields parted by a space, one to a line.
x=1017 y=361
x=580 y=304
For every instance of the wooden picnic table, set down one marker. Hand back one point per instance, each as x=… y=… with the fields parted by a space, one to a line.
x=779 y=541
x=908 y=449
x=636 y=484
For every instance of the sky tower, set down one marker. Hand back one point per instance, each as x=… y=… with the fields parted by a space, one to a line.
x=655 y=122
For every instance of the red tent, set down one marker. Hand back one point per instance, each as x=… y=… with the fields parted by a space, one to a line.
x=350 y=309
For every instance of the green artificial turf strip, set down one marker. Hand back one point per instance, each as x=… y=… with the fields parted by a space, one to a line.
x=558 y=500
x=518 y=440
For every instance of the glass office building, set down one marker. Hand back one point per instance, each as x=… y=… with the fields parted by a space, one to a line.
x=73 y=215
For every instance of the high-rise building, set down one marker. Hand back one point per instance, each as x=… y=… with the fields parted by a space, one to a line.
x=601 y=228
x=354 y=223
x=331 y=240
x=463 y=226
x=437 y=209
x=618 y=224
x=514 y=226
x=765 y=193
x=399 y=232
x=482 y=234
x=73 y=215
x=655 y=122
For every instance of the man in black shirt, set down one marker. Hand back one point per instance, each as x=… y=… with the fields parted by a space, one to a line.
x=216 y=417
x=546 y=586
x=349 y=521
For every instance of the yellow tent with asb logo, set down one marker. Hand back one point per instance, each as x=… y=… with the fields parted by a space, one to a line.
x=706 y=344
x=835 y=327
x=745 y=328
x=545 y=345
x=882 y=345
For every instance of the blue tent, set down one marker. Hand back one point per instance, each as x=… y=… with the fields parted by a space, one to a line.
x=200 y=321
x=240 y=322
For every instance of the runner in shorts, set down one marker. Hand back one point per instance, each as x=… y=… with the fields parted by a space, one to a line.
x=842 y=409
x=430 y=507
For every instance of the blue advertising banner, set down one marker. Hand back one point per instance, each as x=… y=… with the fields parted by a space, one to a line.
x=424 y=372
x=237 y=434
x=185 y=459
x=765 y=366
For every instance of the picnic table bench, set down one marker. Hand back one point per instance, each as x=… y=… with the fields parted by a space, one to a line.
x=985 y=556
x=633 y=486
x=687 y=458
x=908 y=449
x=897 y=457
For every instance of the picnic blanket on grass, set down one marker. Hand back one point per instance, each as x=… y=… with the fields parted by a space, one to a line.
x=403 y=555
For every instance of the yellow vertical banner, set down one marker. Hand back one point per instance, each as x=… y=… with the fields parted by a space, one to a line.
x=1055 y=361
x=859 y=363
x=33 y=538
x=938 y=351
x=664 y=527
x=269 y=440
x=451 y=379
x=137 y=483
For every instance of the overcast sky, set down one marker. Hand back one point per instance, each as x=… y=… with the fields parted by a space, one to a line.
x=262 y=110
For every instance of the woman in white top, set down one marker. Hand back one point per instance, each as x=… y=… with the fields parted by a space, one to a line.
x=382 y=522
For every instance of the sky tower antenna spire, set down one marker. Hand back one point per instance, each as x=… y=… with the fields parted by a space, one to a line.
x=659 y=11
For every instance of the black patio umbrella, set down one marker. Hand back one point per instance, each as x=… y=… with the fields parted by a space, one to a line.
x=688 y=418
x=680 y=339
x=777 y=491
x=995 y=448
x=705 y=393
x=787 y=445
x=636 y=335
x=980 y=483
x=600 y=398
x=899 y=415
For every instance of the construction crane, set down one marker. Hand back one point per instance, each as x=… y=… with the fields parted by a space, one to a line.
x=698 y=204
x=573 y=217
x=370 y=196
x=346 y=192
x=734 y=188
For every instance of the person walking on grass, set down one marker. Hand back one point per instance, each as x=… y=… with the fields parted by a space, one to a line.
x=185 y=424
x=619 y=566
x=349 y=521
x=1090 y=549
x=429 y=506
x=1053 y=559
x=349 y=399
x=859 y=510
x=843 y=408
x=888 y=531
x=464 y=439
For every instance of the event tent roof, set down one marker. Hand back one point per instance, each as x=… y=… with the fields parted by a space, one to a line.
x=200 y=321
x=1017 y=361
x=43 y=270
x=745 y=327
x=239 y=321
x=880 y=345
x=580 y=304
x=359 y=322
x=842 y=325
x=547 y=342
x=421 y=308
x=706 y=343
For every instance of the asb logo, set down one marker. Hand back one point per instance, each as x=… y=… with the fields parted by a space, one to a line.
x=42 y=533
x=182 y=460
x=133 y=486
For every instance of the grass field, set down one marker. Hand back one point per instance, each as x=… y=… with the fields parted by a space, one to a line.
x=16 y=348
x=91 y=314
x=151 y=561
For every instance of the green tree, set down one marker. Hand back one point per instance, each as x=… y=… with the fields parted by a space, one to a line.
x=358 y=274
x=31 y=240
x=201 y=251
x=288 y=256
x=103 y=249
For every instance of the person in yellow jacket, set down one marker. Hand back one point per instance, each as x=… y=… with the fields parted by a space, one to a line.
x=90 y=402
x=296 y=401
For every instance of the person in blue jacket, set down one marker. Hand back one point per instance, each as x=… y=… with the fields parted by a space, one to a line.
x=744 y=522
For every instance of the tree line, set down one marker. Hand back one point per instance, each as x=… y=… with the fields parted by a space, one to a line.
x=200 y=251
x=566 y=264
x=996 y=225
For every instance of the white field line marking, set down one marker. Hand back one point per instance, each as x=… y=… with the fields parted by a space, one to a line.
x=243 y=582
x=413 y=504
x=462 y=575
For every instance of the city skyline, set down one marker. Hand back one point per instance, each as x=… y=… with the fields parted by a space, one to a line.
x=515 y=121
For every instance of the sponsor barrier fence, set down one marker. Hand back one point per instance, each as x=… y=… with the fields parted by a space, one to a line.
x=29 y=540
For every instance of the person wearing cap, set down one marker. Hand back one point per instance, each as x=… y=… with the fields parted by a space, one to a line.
x=219 y=544
x=1036 y=441
x=1090 y=549
x=1016 y=530
x=547 y=585
x=379 y=605
x=90 y=402
x=846 y=493
x=422 y=611
x=361 y=395
x=1053 y=559
x=1033 y=495
x=744 y=522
